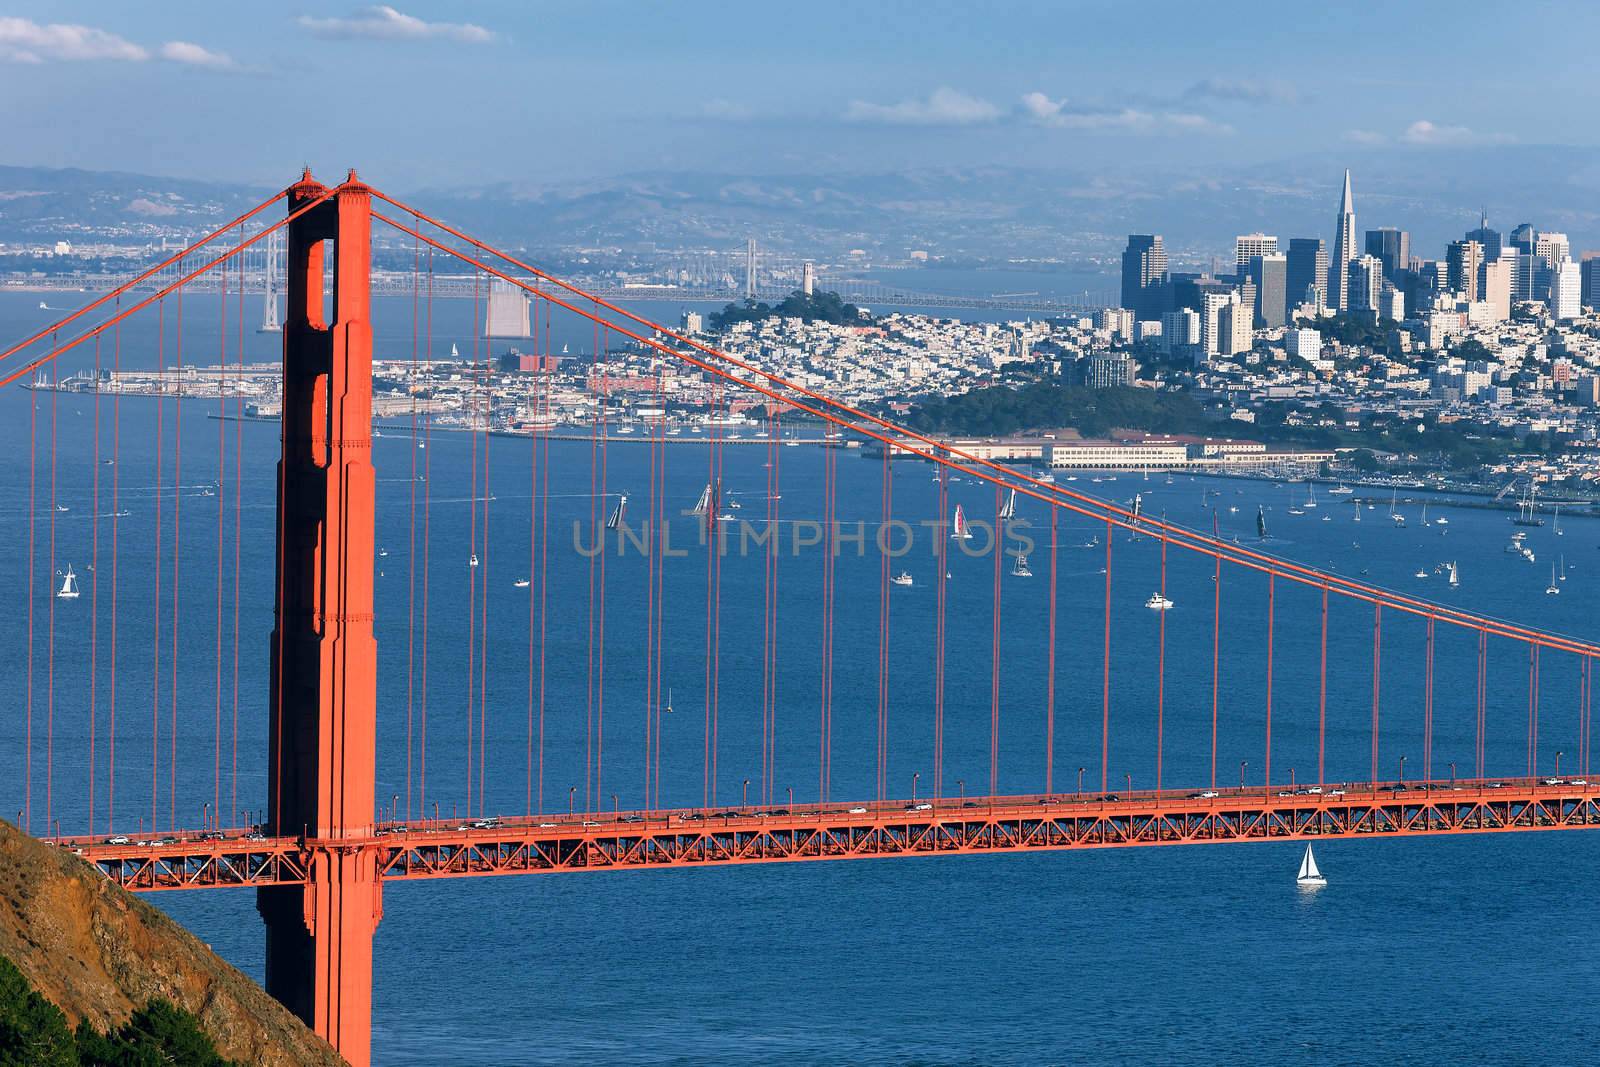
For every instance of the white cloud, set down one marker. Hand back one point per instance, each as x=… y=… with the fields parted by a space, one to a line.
x=1424 y=132
x=943 y=107
x=1244 y=90
x=383 y=23
x=26 y=41
x=194 y=55
x=1040 y=109
x=1365 y=137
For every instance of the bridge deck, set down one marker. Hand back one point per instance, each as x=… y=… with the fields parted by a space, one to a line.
x=704 y=837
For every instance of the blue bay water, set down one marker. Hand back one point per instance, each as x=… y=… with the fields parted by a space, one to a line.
x=1420 y=950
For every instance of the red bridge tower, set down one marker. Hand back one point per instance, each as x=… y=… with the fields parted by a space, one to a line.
x=322 y=716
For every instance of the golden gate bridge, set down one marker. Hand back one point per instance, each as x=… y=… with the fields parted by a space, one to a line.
x=326 y=837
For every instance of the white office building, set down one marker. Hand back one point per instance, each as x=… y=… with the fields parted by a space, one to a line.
x=1566 y=289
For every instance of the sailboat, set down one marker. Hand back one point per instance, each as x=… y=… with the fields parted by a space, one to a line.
x=1311 y=495
x=1009 y=511
x=1358 y=511
x=1261 y=523
x=1552 y=589
x=1394 y=516
x=616 y=513
x=703 y=505
x=1558 y=520
x=69 y=585
x=1309 y=877
x=1525 y=509
x=1424 y=513
x=1020 y=568
x=959 y=530
x=1563 y=566
x=1455 y=579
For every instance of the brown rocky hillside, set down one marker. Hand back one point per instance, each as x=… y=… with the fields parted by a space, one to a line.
x=98 y=952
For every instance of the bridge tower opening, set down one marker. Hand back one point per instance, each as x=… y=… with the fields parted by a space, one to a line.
x=323 y=698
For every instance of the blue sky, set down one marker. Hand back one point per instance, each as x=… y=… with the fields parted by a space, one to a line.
x=462 y=93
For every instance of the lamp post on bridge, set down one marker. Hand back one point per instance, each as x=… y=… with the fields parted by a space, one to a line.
x=791 y=797
x=1452 y=774
x=962 y=785
x=572 y=801
x=1559 y=754
x=914 y=776
x=744 y=798
x=1402 y=770
x=1080 y=781
x=1129 y=778
x=205 y=816
x=1242 y=765
x=394 y=808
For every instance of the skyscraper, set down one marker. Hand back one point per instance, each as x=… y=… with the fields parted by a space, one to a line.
x=1269 y=273
x=1489 y=239
x=1307 y=266
x=1496 y=287
x=1463 y=261
x=1363 y=284
x=1392 y=246
x=1247 y=246
x=1344 y=250
x=1566 y=284
x=1590 y=273
x=1144 y=268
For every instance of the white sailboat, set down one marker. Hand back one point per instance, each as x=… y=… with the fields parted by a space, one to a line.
x=1309 y=877
x=959 y=530
x=615 y=518
x=69 y=585
x=703 y=505
x=1552 y=589
x=1455 y=577
x=1009 y=511
x=1563 y=566
x=1020 y=568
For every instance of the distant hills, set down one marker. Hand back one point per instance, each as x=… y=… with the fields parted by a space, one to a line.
x=978 y=214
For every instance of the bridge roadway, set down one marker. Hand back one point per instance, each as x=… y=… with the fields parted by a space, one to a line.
x=947 y=826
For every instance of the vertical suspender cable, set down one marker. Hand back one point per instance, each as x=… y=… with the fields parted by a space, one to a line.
x=1105 y=674
x=1161 y=665
x=1322 y=696
x=1050 y=666
x=1272 y=596
x=1377 y=680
